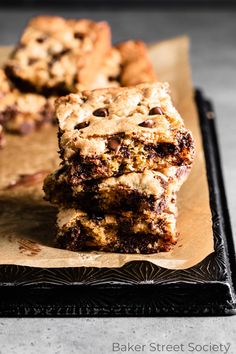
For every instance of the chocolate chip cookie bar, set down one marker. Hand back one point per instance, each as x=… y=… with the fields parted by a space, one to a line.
x=114 y=131
x=79 y=231
x=127 y=64
x=23 y=112
x=143 y=193
x=55 y=54
x=108 y=75
x=136 y=66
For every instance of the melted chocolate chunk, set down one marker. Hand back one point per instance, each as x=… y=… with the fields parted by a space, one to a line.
x=76 y=239
x=26 y=86
x=121 y=169
x=79 y=35
x=155 y=110
x=161 y=149
x=101 y=112
x=57 y=56
x=164 y=149
x=113 y=78
x=147 y=123
x=145 y=243
x=185 y=141
x=71 y=240
x=32 y=61
x=124 y=151
x=82 y=125
x=114 y=144
x=41 y=39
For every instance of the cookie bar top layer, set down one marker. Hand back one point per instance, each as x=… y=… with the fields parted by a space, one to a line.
x=144 y=111
x=23 y=112
x=78 y=231
x=56 y=53
x=136 y=66
x=109 y=132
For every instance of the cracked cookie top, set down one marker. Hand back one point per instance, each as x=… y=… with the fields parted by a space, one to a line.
x=58 y=53
x=144 y=111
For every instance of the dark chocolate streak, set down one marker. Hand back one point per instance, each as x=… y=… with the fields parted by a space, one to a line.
x=140 y=241
x=45 y=115
x=82 y=168
x=77 y=239
x=93 y=203
x=58 y=56
x=27 y=86
x=160 y=150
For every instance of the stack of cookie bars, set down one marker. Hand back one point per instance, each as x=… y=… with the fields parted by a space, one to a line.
x=55 y=57
x=124 y=148
x=125 y=153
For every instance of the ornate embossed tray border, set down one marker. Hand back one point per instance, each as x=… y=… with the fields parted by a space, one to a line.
x=138 y=288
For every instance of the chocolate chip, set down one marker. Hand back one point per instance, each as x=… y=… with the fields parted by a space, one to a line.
x=82 y=125
x=79 y=35
x=147 y=123
x=57 y=56
x=101 y=112
x=114 y=144
x=32 y=61
x=121 y=170
x=64 y=51
x=155 y=110
x=41 y=39
x=125 y=152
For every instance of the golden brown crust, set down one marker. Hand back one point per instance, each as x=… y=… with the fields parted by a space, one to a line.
x=108 y=75
x=126 y=64
x=136 y=64
x=126 y=110
x=56 y=54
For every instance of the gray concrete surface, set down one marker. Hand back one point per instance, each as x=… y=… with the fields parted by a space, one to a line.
x=96 y=336
x=213 y=57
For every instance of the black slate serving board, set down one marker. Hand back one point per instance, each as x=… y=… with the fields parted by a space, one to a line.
x=138 y=288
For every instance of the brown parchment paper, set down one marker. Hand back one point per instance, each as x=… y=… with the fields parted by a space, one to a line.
x=26 y=221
